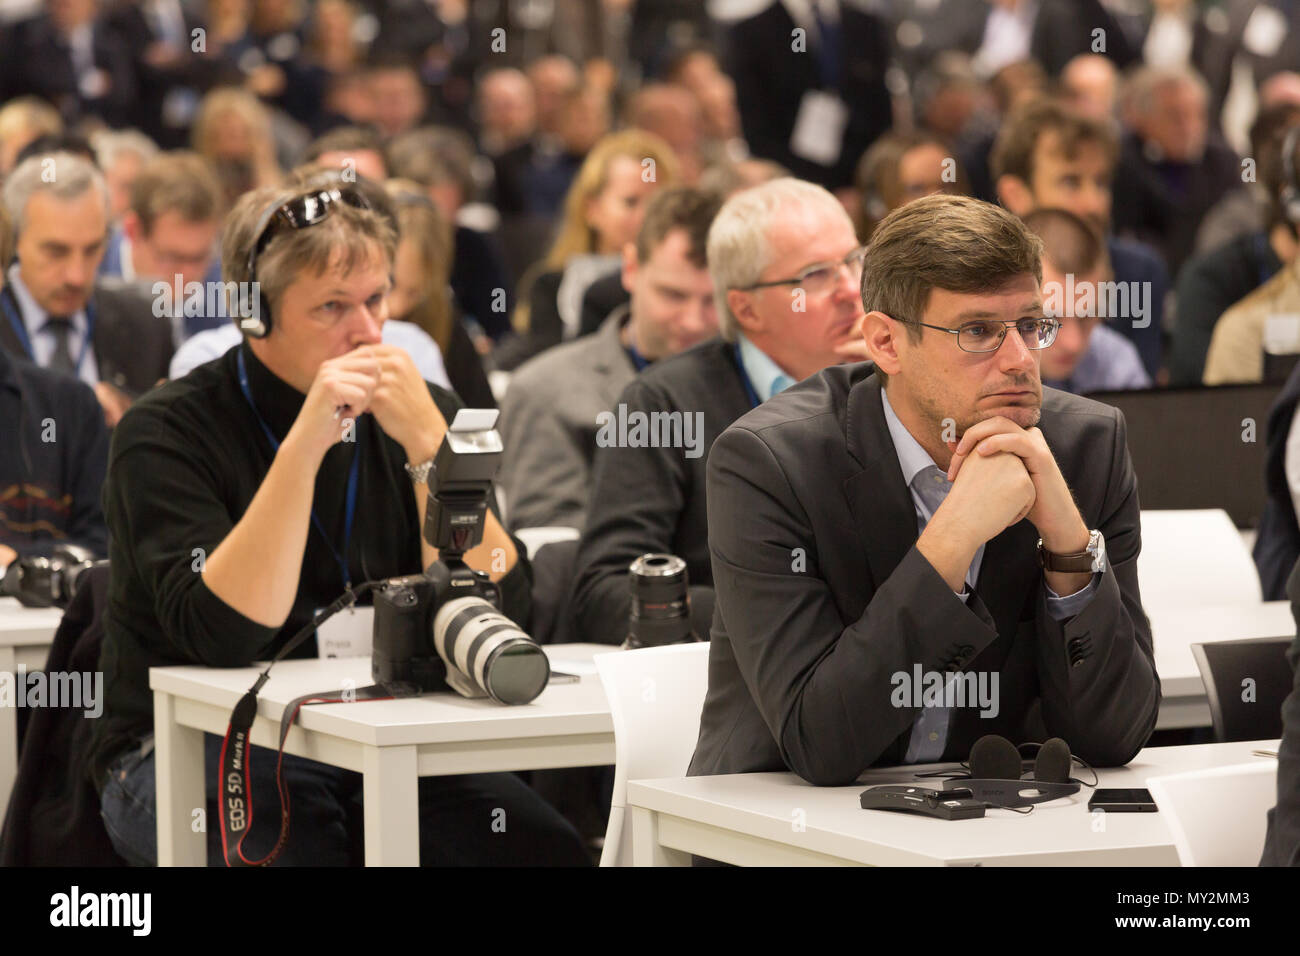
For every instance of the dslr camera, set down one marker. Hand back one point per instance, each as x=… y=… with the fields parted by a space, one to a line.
x=444 y=628
x=40 y=581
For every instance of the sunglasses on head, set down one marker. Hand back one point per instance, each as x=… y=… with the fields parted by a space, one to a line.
x=307 y=210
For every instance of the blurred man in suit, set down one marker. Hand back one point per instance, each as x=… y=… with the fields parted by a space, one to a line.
x=55 y=312
x=551 y=415
x=169 y=235
x=785 y=263
x=1050 y=155
x=1173 y=167
x=53 y=452
x=921 y=516
x=1088 y=355
x=71 y=58
x=810 y=85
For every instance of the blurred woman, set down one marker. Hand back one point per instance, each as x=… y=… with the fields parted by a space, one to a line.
x=233 y=133
x=421 y=292
x=602 y=213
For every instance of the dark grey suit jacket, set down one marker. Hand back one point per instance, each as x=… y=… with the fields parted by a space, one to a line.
x=133 y=347
x=549 y=423
x=1282 y=842
x=652 y=499
x=805 y=641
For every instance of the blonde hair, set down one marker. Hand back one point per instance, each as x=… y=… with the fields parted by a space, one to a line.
x=421 y=223
x=228 y=99
x=28 y=114
x=575 y=236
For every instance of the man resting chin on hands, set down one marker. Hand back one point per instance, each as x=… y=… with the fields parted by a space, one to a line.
x=935 y=511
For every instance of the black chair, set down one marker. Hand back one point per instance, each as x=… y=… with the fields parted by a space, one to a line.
x=53 y=815
x=1169 y=431
x=1225 y=666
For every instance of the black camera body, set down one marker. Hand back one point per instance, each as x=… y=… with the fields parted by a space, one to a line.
x=405 y=611
x=47 y=581
x=444 y=628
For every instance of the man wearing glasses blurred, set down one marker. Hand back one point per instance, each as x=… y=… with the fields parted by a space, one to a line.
x=252 y=492
x=785 y=265
x=939 y=512
x=168 y=239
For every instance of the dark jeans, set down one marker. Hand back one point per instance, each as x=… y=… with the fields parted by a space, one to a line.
x=471 y=820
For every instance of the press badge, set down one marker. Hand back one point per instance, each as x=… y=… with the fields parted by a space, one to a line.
x=347 y=634
x=818 y=134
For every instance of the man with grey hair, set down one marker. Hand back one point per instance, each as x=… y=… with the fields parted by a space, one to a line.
x=55 y=312
x=785 y=265
x=1173 y=167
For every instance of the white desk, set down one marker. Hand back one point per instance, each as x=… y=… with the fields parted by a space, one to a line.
x=1175 y=630
x=767 y=819
x=26 y=634
x=391 y=743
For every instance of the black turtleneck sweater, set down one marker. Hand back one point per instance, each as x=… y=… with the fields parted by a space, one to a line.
x=184 y=465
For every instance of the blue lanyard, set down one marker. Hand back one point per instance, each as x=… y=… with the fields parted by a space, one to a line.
x=744 y=379
x=20 y=328
x=351 y=506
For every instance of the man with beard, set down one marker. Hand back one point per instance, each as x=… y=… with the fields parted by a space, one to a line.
x=921 y=514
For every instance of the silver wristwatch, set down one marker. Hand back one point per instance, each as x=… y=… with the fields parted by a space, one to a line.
x=419 y=473
x=1092 y=558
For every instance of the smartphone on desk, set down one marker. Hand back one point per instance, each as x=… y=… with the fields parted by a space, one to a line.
x=1122 y=801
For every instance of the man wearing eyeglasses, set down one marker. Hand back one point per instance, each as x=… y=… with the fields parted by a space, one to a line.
x=785 y=264
x=938 y=513
x=168 y=239
x=254 y=491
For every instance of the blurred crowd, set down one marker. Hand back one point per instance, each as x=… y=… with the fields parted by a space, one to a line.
x=563 y=177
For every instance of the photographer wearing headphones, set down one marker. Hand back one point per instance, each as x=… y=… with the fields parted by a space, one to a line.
x=250 y=493
x=919 y=513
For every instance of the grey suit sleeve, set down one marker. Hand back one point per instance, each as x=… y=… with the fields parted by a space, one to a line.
x=1097 y=670
x=822 y=684
x=544 y=471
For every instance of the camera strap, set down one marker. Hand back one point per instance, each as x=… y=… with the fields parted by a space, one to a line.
x=236 y=786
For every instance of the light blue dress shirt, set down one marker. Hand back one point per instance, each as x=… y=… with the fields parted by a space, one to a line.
x=764 y=374
x=1111 y=363
x=43 y=340
x=929 y=486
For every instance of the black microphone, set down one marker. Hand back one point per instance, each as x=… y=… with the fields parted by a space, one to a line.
x=995 y=758
x=1053 y=761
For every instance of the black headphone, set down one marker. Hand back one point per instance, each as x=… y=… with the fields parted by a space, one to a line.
x=996 y=773
x=1289 y=199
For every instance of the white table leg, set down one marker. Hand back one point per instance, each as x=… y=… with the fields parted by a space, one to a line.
x=8 y=729
x=646 y=850
x=179 y=779
x=391 y=796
